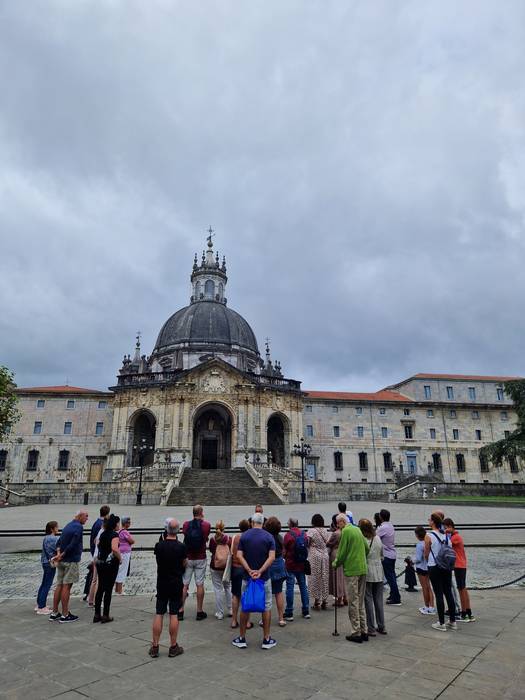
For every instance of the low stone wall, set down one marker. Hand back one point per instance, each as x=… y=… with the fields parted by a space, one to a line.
x=323 y=491
x=89 y=492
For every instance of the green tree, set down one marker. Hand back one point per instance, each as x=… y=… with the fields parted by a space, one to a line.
x=514 y=444
x=9 y=413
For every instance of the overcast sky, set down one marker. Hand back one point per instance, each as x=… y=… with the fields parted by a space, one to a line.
x=363 y=165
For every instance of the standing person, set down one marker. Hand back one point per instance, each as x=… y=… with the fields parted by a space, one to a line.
x=336 y=581
x=441 y=579
x=295 y=549
x=171 y=559
x=107 y=563
x=49 y=550
x=352 y=553
x=96 y=531
x=460 y=570
x=387 y=535
x=237 y=575
x=258 y=509
x=67 y=559
x=422 y=573
x=341 y=508
x=375 y=614
x=125 y=543
x=319 y=562
x=256 y=552
x=220 y=551
x=278 y=568
x=196 y=534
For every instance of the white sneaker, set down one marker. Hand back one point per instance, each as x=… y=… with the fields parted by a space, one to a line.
x=438 y=626
x=43 y=611
x=219 y=616
x=424 y=610
x=452 y=625
x=431 y=611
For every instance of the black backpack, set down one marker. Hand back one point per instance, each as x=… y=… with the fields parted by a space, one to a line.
x=194 y=538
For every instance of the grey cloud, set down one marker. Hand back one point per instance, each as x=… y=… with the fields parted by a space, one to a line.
x=362 y=164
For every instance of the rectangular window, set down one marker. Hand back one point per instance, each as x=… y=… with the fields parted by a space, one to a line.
x=68 y=426
x=360 y=431
x=450 y=392
x=499 y=392
x=504 y=415
x=455 y=434
x=102 y=404
x=40 y=403
x=309 y=431
x=359 y=411
x=63 y=460
x=513 y=464
x=99 y=428
x=428 y=392
x=384 y=432
x=406 y=411
x=430 y=413
x=382 y=411
x=363 y=461
x=3 y=460
x=483 y=463
x=460 y=462
x=338 y=461
x=478 y=434
x=472 y=393
x=409 y=433
x=475 y=415
x=387 y=462
x=336 y=431
x=436 y=461
x=308 y=409
x=335 y=409
x=32 y=460
x=432 y=433
x=70 y=403
x=506 y=433
x=37 y=428
x=453 y=413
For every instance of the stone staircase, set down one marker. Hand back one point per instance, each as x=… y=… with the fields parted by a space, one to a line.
x=220 y=487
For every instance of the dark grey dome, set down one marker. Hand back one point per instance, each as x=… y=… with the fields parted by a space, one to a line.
x=204 y=325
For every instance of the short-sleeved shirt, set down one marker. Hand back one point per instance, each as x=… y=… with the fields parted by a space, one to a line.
x=170 y=556
x=436 y=542
x=123 y=541
x=458 y=546
x=201 y=553
x=387 y=535
x=256 y=544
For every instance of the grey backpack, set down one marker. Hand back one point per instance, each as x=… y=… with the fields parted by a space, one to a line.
x=446 y=557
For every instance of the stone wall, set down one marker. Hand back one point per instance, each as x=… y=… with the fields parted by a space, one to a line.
x=99 y=492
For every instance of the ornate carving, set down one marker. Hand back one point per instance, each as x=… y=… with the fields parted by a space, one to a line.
x=213 y=383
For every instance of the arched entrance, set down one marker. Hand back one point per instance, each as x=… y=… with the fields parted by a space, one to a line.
x=212 y=437
x=142 y=439
x=277 y=439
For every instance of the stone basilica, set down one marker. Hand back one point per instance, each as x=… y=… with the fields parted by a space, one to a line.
x=205 y=408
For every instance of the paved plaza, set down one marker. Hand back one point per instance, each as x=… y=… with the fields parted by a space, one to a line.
x=481 y=661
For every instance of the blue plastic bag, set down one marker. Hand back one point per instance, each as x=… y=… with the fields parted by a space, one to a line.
x=253 y=598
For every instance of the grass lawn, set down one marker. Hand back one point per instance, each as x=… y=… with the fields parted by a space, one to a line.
x=486 y=499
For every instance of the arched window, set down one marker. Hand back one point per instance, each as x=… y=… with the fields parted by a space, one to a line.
x=221 y=290
x=460 y=462
x=63 y=460
x=338 y=461
x=32 y=460
x=197 y=290
x=436 y=461
x=209 y=289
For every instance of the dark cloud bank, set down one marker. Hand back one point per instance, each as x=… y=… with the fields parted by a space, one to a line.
x=363 y=164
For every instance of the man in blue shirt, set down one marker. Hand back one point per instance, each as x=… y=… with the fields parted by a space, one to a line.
x=256 y=552
x=69 y=553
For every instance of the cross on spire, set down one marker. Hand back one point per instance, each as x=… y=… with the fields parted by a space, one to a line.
x=211 y=233
x=138 y=339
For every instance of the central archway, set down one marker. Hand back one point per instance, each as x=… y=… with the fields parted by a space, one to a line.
x=277 y=439
x=212 y=437
x=141 y=443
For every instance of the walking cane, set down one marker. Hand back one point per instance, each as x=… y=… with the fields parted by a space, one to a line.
x=335 y=633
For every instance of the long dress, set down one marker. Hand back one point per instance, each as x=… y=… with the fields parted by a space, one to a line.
x=319 y=563
x=336 y=581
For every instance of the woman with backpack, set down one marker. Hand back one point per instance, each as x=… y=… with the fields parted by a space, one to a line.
x=440 y=558
x=220 y=551
x=277 y=569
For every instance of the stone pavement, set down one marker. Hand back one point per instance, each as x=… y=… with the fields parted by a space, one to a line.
x=486 y=659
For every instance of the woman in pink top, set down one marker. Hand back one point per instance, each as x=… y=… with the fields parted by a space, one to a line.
x=125 y=542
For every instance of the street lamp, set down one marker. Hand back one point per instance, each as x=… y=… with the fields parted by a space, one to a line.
x=140 y=451
x=302 y=450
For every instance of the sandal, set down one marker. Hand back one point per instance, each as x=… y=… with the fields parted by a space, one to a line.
x=234 y=625
x=175 y=651
x=282 y=623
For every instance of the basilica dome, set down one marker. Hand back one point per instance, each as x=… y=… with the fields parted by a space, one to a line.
x=206 y=326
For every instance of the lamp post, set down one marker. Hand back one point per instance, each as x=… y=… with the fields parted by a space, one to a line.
x=302 y=450
x=140 y=451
